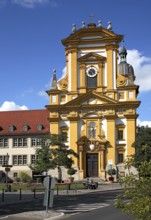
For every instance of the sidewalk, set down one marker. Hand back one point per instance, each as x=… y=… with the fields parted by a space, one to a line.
x=13 y=197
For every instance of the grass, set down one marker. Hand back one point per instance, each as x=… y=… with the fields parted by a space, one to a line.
x=31 y=186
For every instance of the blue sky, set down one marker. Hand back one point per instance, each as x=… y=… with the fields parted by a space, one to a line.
x=30 y=45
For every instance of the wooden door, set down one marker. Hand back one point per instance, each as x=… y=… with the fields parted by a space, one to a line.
x=92 y=165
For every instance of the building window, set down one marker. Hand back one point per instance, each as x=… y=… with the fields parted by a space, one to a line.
x=130 y=95
x=120 y=134
x=25 y=128
x=15 y=175
x=3 y=160
x=39 y=127
x=53 y=98
x=19 y=160
x=63 y=98
x=3 y=142
x=19 y=142
x=35 y=142
x=11 y=128
x=91 y=82
x=121 y=95
x=33 y=159
x=65 y=135
x=120 y=158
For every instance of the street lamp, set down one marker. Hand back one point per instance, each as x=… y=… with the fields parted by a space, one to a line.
x=7 y=169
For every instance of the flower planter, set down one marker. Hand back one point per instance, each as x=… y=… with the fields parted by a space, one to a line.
x=111 y=179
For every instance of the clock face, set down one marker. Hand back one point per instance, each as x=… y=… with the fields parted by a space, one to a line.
x=91 y=71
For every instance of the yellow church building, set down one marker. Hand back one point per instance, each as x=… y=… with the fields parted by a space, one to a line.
x=95 y=103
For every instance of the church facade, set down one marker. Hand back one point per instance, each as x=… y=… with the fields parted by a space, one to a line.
x=95 y=103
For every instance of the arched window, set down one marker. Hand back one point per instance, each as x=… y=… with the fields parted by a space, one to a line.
x=91 y=82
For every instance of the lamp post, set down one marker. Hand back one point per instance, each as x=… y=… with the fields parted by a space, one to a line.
x=7 y=169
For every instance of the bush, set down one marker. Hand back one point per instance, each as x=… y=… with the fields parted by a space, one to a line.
x=71 y=171
x=25 y=178
x=111 y=172
x=17 y=179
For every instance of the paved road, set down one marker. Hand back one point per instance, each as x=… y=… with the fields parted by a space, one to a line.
x=106 y=213
x=95 y=202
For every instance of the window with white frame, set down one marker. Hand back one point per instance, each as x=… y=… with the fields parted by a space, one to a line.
x=3 y=142
x=19 y=142
x=19 y=160
x=33 y=158
x=35 y=142
x=3 y=159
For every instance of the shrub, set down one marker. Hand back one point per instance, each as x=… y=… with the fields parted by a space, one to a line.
x=24 y=177
x=17 y=179
x=111 y=172
x=71 y=171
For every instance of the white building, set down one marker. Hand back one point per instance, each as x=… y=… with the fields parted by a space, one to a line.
x=18 y=138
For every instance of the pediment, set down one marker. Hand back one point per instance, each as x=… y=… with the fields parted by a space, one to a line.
x=89 y=99
x=91 y=34
x=91 y=57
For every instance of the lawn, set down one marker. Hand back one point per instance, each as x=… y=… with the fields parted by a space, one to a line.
x=31 y=186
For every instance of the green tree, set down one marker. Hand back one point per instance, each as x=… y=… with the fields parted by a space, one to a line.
x=50 y=157
x=142 y=145
x=43 y=162
x=135 y=198
x=61 y=156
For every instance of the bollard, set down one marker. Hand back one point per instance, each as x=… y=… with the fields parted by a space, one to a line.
x=2 y=195
x=34 y=190
x=57 y=189
x=20 y=195
x=76 y=188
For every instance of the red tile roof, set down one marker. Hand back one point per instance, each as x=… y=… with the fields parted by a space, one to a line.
x=32 y=118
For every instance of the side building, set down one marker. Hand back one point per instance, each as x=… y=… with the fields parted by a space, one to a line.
x=95 y=103
x=19 y=138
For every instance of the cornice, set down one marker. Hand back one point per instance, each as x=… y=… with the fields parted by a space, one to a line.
x=55 y=92
x=131 y=116
x=105 y=35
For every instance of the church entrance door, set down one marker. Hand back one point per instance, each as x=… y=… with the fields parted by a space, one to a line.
x=92 y=165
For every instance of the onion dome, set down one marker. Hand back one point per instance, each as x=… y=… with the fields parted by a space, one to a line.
x=125 y=68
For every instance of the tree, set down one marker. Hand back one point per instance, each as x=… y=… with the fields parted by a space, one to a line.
x=142 y=145
x=50 y=157
x=135 y=198
x=61 y=156
x=43 y=161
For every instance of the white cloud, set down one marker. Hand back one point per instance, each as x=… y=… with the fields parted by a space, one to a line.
x=142 y=69
x=34 y=3
x=10 y=106
x=63 y=73
x=144 y=123
x=42 y=93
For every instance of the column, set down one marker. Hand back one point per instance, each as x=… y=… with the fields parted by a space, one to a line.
x=131 y=134
x=82 y=79
x=73 y=73
x=111 y=137
x=100 y=78
x=109 y=68
x=81 y=171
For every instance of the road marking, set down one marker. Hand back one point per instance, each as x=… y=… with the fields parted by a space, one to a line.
x=81 y=207
x=4 y=217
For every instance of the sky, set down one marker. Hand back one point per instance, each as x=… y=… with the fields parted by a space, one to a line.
x=30 y=46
